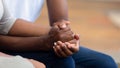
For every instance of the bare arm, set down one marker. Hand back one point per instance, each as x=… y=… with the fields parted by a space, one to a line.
x=21 y=44
x=58 y=14
x=25 y=28
x=35 y=37
x=44 y=42
x=57 y=10
x=40 y=41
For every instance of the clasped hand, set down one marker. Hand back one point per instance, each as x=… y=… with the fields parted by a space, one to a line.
x=65 y=41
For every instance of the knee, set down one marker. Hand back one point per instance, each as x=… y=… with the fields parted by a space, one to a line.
x=106 y=61
x=65 y=63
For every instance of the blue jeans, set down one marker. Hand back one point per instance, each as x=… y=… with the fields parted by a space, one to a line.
x=85 y=58
x=48 y=58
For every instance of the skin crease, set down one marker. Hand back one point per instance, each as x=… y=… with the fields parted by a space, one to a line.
x=13 y=43
x=61 y=33
x=16 y=40
x=19 y=38
x=58 y=15
x=68 y=48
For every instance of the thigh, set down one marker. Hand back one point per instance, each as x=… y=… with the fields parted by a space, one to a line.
x=48 y=58
x=87 y=58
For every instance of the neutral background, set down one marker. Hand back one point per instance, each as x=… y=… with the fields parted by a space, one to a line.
x=91 y=20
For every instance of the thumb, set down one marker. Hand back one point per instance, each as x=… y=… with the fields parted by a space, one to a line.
x=63 y=24
x=67 y=22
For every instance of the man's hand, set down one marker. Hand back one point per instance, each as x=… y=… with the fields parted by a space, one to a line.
x=68 y=48
x=62 y=24
x=61 y=31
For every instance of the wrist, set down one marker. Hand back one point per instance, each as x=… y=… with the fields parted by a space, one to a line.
x=48 y=43
x=60 y=21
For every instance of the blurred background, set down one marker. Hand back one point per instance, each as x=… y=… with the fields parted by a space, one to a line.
x=97 y=22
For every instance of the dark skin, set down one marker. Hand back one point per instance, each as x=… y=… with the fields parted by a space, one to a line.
x=21 y=44
x=68 y=48
x=35 y=39
x=57 y=10
x=58 y=14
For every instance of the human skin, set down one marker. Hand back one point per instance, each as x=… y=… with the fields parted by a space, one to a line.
x=16 y=39
x=65 y=49
x=16 y=42
x=58 y=14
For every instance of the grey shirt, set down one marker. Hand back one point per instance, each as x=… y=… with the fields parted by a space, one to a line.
x=6 y=20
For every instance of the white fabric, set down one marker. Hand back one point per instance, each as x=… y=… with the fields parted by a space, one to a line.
x=6 y=20
x=1 y=9
x=25 y=9
x=15 y=62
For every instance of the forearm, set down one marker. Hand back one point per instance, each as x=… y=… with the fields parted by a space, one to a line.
x=26 y=28
x=57 y=10
x=15 y=44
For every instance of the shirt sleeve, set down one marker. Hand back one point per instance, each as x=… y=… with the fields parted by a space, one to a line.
x=7 y=21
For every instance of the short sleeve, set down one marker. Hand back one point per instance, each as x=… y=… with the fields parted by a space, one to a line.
x=7 y=21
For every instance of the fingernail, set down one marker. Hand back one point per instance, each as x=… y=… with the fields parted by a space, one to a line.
x=63 y=26
x=55 y=43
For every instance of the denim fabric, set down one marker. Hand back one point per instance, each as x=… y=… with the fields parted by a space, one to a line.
x=48 y=58
x=85 y=58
